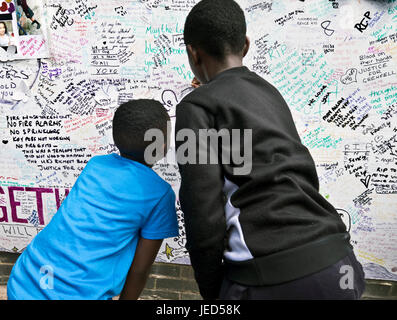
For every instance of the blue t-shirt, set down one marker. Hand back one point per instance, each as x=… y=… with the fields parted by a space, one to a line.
x=87 y=248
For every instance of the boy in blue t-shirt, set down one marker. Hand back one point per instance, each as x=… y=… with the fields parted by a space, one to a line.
x=107 y=232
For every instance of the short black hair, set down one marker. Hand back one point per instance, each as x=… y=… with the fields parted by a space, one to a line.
x=216 y=26
x=131 y=121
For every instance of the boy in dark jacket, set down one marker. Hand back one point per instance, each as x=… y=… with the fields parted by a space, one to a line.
x=257 y=229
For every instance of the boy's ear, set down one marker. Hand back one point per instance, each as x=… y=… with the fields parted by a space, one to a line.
x=246 y=46
x=192 y=52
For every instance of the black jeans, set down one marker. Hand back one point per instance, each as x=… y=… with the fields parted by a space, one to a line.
x=343 y=280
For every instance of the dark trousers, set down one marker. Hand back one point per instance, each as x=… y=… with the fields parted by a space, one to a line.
x=343 y=280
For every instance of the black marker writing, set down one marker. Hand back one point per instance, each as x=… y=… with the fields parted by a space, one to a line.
x=362 y=26
x=325 y=24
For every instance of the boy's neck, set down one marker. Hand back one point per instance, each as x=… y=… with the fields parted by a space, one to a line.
x=214 y=67
x=134 y=159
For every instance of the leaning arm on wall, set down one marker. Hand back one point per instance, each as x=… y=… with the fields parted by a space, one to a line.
x=145 y=254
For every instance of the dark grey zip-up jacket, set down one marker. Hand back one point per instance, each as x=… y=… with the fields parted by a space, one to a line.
x=269 y=225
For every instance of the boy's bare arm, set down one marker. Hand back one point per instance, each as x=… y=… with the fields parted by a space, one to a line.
x=146 y=252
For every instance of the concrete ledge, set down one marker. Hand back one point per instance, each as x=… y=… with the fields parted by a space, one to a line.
x=380 y=290
x=176 y=282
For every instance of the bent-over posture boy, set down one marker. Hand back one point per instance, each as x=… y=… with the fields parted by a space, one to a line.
x=106 y=234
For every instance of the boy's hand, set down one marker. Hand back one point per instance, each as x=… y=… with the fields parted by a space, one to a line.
x=195 y=83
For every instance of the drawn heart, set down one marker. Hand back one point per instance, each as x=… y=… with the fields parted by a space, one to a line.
x=3 y=7
x=349 y=77
x=366 y=181
x=11 y=8
x=5 y=141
